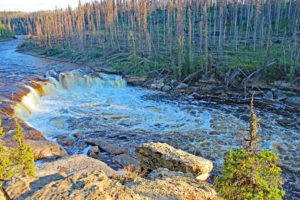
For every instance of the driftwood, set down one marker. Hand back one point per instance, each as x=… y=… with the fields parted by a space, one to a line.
x=128 y=71
x=234 y=74
x=244 y=82
x=192 y=76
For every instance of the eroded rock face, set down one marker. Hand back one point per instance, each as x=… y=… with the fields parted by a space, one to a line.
x=85 y=184
x=161 y=155
x=46 y=148
x=20 y=187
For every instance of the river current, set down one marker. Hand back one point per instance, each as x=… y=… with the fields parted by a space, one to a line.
x=102 y=105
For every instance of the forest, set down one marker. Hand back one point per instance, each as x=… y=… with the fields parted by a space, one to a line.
x=251 y=40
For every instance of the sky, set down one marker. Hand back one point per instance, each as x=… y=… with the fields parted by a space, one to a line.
x=36 y=5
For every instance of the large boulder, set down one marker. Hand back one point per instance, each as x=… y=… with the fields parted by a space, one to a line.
x=46 y=148
x=161 y=155
x=21 y=187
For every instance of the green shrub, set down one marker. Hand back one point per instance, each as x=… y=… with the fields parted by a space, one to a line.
x=249 y=173
x=17 y=160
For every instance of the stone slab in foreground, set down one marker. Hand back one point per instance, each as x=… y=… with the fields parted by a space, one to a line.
x=161 y=155
x=20 y=187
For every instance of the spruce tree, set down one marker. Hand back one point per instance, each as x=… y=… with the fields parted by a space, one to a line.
x=251 y=173
x=15 y=160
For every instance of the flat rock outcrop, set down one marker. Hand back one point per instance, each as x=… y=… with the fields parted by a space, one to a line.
x=161 y=155
x=80 y=177
x=85 y=184
x=20 y=187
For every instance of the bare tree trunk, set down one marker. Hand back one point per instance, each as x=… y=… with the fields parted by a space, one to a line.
x=205 y=35
x=278 y=15
x=257 y=5
x=221 y=24
x=235 y=24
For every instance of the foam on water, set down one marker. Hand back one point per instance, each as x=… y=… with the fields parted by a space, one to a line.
x=107 y=99
x=73 y=102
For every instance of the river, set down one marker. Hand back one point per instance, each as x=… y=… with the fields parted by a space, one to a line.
x=103 y=106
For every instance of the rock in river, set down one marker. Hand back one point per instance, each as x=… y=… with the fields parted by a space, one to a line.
x=105 y=146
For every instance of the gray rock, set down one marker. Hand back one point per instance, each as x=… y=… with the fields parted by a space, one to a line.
x=161 y=155
x=64 y=140
x=136 y=80
x=93 y=152
x=293 y=101
x=157 y=85
x=105 y=146
x=125 y=160
x=78 y=135
x=268 y=95
x=166 y=88
x=46 y=148
x=182 y=86
x=280 y=95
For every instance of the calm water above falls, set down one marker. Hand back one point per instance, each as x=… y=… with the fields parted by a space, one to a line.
x=106 y=107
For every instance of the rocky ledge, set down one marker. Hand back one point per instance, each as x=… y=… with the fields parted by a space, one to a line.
x=81 y=177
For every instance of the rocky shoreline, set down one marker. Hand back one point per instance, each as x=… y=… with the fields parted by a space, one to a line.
x=81 y=177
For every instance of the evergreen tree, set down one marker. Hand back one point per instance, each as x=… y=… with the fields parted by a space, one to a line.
x=248 y=172
x=15 y=160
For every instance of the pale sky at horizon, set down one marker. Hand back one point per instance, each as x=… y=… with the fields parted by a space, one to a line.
x=37 y=5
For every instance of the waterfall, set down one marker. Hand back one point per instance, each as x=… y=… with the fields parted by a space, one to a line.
x=54 y=82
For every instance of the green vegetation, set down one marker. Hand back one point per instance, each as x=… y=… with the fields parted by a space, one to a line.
x=179 y=38
x=15 y=160
x=5 y=33
x=249 y=173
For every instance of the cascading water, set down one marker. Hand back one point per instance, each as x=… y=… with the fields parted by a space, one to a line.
x=103 y=106
x=74 y=80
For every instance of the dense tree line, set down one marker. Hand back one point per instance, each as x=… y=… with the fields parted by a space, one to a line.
x=187 y=38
